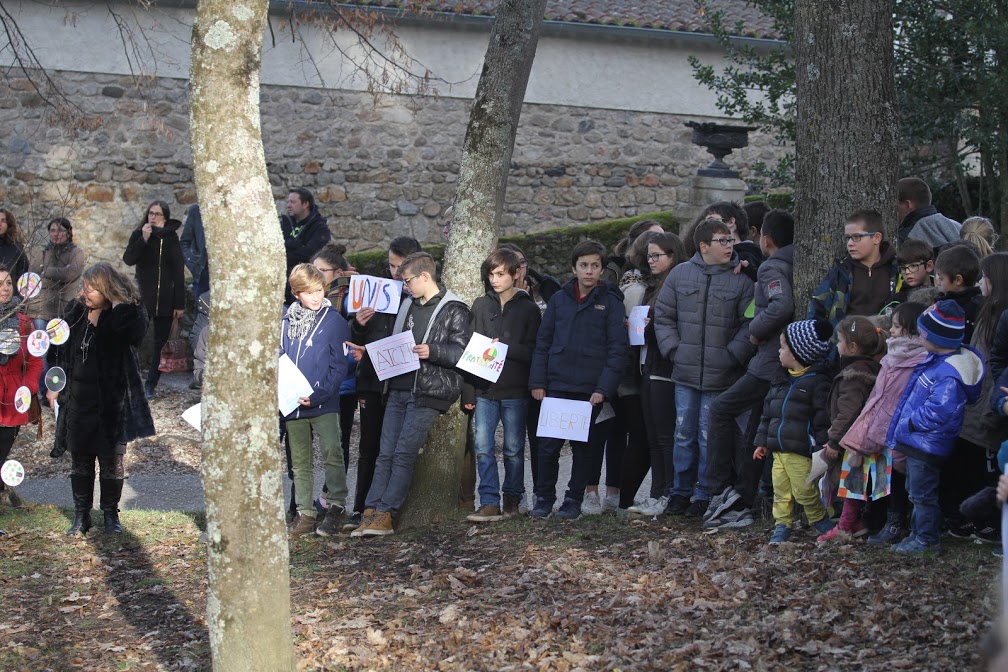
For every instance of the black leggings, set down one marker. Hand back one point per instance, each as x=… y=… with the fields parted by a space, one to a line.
x=162 y=330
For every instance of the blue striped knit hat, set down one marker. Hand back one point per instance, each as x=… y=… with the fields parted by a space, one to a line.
x=943 y=324
x=809 y=340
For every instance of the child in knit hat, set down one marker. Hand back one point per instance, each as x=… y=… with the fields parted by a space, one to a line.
x=795 y=422
x=930 y=415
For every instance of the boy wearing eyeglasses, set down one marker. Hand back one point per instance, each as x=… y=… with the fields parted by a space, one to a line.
x=915 y=260
x=866 y=281
x=702 y=325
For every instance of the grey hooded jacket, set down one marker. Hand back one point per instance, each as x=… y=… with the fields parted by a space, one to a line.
x=701 y=324
x=774 y=310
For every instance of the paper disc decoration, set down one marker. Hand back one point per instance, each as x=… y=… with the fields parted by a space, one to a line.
x=55 y=379
x=10 y=341
x=12 y=473
x=59 y=331
x=29 y=285
x=22 y=399
x=38 y=342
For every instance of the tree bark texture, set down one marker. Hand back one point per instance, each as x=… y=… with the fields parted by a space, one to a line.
x=248 y=600
x=479 y=201
x=847 y=132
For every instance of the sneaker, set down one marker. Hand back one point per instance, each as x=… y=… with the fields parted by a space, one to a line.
x=839 y=534
x=543 y=509
x=912 y=546
x=379 y=525
x=365 y=521
x=824 y=526
x=720 y=503
x=487 y=513
x=988 y=535
x=352 y=523
x=569 y=510
x=301 y=525
x=697 y=508
x=610 y=503
x=961 y=529
x=677 y=505
x=893 y=532
x=333 y=521
x=650 y=507
x=590 y=505
x=731 y=519
x=780 y=534
x=512 y=505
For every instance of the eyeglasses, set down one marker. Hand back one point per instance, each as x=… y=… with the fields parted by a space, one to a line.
x=155 y=214
x=656 y=257
x=911 y=268
x=856 y=237
x=726 y=242
x=407 y=281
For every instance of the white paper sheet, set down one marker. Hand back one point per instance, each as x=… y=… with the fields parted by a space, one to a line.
x=193 y=415
x=636 y=323
x=291 y=385
x=564 y=419
x=368 y=291
x=394 y=355
x=484 y=358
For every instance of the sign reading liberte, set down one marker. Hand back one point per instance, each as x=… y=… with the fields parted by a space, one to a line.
x=564 y=419
x=394 y=355
x=483 y=357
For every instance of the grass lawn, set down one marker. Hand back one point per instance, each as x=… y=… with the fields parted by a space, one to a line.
x=595 y=594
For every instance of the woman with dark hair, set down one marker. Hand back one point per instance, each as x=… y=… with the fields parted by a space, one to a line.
x=12 y=245
x=617 y=264
x=18 y=369
x=155 y=250
x=62 y=264
x=103 y=404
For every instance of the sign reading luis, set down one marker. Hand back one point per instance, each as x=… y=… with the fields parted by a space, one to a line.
x=564 y=419
x=368 y=291
x=393 y=355
x=483 y=358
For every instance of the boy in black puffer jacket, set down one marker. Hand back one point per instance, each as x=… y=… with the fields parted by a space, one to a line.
x=795 y=420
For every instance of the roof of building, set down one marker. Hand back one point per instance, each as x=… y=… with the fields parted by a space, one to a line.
x=672 y=15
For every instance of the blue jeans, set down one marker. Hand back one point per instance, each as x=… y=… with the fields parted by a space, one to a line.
x=510 y=413
x=922 y=481
x=404 y=431
x=690 y=455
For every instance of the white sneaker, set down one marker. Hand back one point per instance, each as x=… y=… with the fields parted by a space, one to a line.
x=590 y=505
x=610 y=503
x=650 y=506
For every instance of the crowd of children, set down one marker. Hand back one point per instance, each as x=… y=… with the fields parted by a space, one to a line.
x=870 y=408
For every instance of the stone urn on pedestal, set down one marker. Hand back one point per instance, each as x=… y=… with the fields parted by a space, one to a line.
x=716 y=182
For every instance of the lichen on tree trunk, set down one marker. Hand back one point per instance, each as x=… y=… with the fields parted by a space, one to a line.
x=248 y=600
x=847 y=131
x=479 y=201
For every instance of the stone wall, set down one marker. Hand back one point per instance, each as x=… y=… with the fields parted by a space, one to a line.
x=377 y=171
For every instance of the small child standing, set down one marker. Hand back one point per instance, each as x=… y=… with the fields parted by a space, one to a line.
x=795 y=420
x=930 y=416
x=859 y=343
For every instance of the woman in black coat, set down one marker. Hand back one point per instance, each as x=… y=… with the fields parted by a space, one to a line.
x=12 y=245
x=102 y=405
x=155 y=250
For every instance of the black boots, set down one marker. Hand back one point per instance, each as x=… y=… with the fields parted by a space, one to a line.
x=83 y=496
x=111 y=491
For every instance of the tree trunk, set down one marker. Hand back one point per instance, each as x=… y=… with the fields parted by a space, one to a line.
x=847 y=132
x=479 y=201
x=248 y=601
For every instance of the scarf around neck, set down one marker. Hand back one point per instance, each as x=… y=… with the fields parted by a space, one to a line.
x=300 y=320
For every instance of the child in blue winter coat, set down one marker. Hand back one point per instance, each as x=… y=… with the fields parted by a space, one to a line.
x=312 y=336
x=930 y=416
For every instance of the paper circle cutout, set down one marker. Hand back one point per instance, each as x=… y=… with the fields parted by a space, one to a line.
x=59 y=331
x=12 y=473
x=10 y=341
x=29 y=285
x=38 y=342
x=55 y=379
x=22 y=399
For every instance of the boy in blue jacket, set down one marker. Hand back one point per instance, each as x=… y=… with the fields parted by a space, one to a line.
x=312 y=336
x=580 y=354
x=930 y=415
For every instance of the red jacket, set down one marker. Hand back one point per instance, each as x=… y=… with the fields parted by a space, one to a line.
x=16 y=373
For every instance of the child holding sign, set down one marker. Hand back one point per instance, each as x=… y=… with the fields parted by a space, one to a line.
x=510 y=316
x=439 y=321
x=580 y=354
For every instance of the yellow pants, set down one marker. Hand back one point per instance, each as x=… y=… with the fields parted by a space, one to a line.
x=789 y=474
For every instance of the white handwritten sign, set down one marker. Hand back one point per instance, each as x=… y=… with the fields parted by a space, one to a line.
x=564 y=419
x=637 y=321
x=394 y=355
x=291 y=386
x=483 y=358
x=368 y=291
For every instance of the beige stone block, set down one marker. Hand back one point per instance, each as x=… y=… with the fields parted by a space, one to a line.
x=99 y=193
